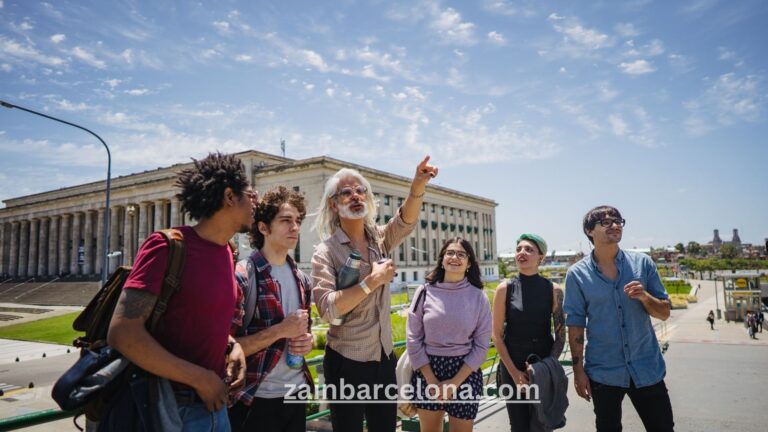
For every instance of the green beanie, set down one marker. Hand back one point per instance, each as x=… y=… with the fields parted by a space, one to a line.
x=536 y=239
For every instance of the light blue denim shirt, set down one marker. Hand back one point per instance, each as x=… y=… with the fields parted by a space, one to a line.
x=621 y=343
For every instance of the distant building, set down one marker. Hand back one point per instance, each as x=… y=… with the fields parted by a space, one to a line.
x=59 y=232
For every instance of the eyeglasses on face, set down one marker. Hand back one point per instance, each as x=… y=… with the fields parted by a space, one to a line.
x=251 y=194
x=458 y=254
x=347 y=192
x=608 y=222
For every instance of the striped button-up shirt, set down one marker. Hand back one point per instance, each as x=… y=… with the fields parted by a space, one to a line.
x=367 y=328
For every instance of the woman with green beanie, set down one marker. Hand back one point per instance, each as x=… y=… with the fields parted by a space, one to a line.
x=524 y=310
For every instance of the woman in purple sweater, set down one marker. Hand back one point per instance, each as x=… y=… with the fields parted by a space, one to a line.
x=448 y=335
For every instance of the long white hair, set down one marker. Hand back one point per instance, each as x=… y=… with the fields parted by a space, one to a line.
x=326 y=219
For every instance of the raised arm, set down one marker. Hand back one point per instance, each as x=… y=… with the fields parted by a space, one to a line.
x=412 y=205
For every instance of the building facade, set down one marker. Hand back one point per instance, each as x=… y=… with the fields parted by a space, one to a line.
x=60 y=233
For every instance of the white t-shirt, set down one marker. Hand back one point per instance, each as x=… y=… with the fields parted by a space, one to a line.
x=276 y=383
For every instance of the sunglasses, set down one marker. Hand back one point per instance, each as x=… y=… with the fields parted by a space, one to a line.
x=347 y=192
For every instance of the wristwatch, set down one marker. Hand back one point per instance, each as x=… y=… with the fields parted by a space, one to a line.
x=365 y=288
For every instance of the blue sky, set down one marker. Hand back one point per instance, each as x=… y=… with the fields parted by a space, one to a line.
x=549 y=108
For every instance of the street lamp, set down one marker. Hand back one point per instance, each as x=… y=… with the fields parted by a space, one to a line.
x=109 y=178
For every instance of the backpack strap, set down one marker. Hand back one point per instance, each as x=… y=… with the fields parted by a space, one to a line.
x=251 y=297
x=422 y=296
x=172 y=280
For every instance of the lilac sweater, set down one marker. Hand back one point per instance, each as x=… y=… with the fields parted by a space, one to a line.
x=454 y=319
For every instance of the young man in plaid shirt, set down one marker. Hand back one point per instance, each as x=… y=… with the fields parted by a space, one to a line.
x=280 y=323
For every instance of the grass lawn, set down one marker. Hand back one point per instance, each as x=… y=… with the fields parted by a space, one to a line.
x=52 y=330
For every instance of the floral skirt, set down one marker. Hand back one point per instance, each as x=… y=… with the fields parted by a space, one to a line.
x=466 y=397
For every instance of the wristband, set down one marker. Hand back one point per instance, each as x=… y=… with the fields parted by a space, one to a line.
x=365 y=288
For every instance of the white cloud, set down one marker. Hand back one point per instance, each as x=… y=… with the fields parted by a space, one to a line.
x=618 y=125
x=5 y=67
x=222 y=27
x=637 y=67
x=66 y=105
x=1 y=4
x=330 y=92
x=728 y=100
x=725 y=54
x=26 y=25
x=58 y=38
x=697 y=7
x=310 y=58
x=503 y=7
x=112 y=83
x=563 y=70
x=244 y=58
x=13 y=49
x=496 y=38
x=449 y=25
x=626 y=30
x=578 y=41
x=87 y=57
x=137 y=92
x=309 y=87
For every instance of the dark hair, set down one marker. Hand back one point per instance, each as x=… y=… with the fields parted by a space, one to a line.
x=595 y=215
x=473 y=274
x=203 y=185
x=269 y=206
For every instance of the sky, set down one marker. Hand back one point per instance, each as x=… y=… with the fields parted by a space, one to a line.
x=547 y=107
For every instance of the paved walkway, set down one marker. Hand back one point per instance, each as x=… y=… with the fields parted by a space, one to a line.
x=716 y=379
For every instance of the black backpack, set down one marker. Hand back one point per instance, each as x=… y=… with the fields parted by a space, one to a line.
x=93 y=382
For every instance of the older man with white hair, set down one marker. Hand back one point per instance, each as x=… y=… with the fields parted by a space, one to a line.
x=359 y=351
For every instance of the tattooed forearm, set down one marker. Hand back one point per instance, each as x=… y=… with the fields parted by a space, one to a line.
x=135 y=304
x=559 y=322
x=580 y=340
x=576 y=341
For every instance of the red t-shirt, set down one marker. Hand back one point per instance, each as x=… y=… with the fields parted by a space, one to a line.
x=197 y=323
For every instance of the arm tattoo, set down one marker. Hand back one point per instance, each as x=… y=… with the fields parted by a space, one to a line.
x=576 y=360
x=135 y=304
x=580 y=340
x=559 y=322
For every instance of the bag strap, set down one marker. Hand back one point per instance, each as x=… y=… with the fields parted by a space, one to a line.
x=422 y=296
x=172 y=280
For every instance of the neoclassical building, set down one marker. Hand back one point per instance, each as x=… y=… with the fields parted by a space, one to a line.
x=59 y=232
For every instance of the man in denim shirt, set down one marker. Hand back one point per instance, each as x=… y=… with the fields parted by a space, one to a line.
x=613 y=293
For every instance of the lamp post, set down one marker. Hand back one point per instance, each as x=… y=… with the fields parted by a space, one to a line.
x=109 y=178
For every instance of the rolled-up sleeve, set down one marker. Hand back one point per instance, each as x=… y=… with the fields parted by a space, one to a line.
x=395 y=231
x=324 y=283
x=575 y=306
x=414 y=333
x=481 y=337
x=653 y=281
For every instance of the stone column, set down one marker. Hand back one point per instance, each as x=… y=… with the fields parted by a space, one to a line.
x=142 y=222
x=128 y=235
x=159 y=219
x=42 y=248
x=74 y=265
x=3 y=239
x=34 y=232
x=99 y=241
x=23 y=248
x=114 y=237
x=88 y=243
x=175 y=213
x=64 y=237
x=13 y=259
x=53 y=246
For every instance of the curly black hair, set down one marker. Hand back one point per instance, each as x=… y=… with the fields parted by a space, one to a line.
x=202 y=185
x=268 y=207
x=595 y=215
x=473 y=269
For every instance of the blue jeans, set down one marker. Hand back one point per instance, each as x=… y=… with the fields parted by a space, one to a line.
x=197 y=418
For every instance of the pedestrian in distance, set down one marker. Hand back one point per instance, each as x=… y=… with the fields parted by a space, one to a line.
x=711 y=319
x=448 y=335
x=359 y=351
x=193 y=347
x=278 y=334
x=526 y=309
x=612 y=294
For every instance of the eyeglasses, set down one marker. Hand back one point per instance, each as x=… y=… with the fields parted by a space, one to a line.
x=458 y=254
x=251 y=194
x=347 y=192
x=609 y=222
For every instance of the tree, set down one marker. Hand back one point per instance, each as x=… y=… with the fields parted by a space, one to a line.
x=728 y=251
x=680 y=248
x=503 y=271
x=694 y=248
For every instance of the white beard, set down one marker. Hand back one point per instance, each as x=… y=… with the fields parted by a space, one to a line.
x=346 y=212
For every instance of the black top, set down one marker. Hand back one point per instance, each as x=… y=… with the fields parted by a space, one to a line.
x=528 y=321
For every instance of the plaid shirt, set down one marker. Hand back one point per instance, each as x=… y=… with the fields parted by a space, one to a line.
x=269 y=311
